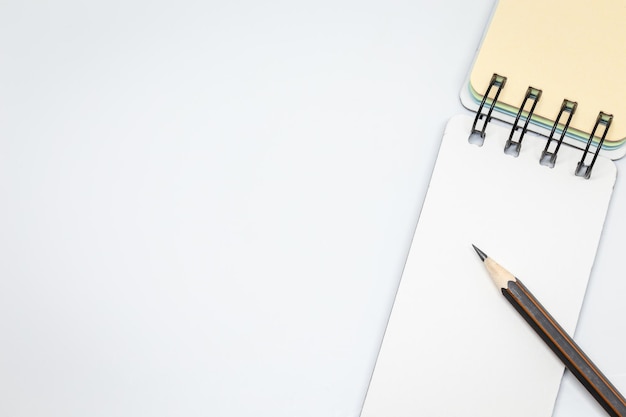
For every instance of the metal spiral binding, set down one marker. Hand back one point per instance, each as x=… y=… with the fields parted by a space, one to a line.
x=583 y=170
x=497 y=81
x=548 y=157
x=533 y=94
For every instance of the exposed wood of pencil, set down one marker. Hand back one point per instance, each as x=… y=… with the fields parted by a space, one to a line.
x=556 y=338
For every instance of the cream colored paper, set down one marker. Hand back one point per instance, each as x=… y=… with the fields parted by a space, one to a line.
x=570 y=49
x=454 y=346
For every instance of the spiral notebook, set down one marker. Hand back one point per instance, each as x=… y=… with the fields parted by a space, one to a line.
x=533 y=193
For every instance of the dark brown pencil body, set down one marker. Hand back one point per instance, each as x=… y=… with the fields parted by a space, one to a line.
x=557 y=339
x=565 y=348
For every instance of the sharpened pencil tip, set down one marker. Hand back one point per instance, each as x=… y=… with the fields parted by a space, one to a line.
x=482 y=255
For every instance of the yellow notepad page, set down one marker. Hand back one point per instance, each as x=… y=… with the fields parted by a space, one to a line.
x=570 y=49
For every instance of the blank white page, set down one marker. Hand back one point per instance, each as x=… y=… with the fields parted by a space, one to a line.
x=453 y=345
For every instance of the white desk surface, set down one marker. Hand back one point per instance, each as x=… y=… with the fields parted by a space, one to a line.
x=205 y=207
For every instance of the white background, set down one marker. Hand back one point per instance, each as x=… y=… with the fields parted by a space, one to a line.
x=205 y=207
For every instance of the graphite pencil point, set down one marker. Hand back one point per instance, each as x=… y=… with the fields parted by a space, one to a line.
x=482 y=255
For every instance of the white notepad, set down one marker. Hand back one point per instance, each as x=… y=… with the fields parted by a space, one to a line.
x=454 y=346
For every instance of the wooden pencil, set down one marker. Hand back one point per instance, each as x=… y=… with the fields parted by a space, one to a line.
x=556 y=338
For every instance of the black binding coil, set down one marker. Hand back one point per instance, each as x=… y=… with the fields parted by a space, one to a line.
x=533 y=94
x=498 y=81
x=547 y=157
x=583 y=170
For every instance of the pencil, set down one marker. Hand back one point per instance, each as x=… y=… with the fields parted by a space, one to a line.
x=556 y=338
